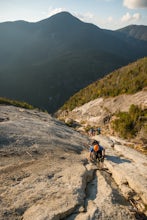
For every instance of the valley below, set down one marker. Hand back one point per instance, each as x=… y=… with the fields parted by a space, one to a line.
x=45 y=173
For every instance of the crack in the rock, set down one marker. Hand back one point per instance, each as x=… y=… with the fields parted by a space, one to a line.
x=118 y=197
x=91 y=193
x=82 y=208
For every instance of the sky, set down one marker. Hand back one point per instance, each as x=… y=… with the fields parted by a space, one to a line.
x=106 y=14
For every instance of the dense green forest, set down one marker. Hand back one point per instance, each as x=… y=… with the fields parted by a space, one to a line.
x=129 y=80
x=129 y=124
x=16 y=103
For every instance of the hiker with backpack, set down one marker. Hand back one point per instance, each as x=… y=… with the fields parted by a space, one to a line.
x=91 y=132
x=97 y=152
x=98 y=131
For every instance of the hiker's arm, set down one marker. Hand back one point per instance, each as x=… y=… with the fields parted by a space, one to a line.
x=103 y=152
x=90 y=155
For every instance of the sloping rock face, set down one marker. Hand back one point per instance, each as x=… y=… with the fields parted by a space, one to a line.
x=42 y=167
x=128 y=167
x=94 y=112
x=100 y=112
x=45 y=173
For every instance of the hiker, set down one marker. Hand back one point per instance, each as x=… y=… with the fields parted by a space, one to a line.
x=98 y=131
x=112 y=144
x=97 y=151
x=91 y=132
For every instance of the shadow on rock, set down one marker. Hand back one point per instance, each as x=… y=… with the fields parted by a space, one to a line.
x=118 y=160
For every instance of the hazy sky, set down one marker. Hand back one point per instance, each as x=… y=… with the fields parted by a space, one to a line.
x=108 y=14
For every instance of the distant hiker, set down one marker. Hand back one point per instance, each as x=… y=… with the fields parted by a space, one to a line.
x=97 y=151
x=91 y=132
x=106 y=119
x=98 y=131
x=112 y=144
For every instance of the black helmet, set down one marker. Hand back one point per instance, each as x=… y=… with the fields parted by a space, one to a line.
x=95 y=142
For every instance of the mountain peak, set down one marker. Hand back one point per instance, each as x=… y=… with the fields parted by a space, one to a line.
x=63 y=13
x=63 y=17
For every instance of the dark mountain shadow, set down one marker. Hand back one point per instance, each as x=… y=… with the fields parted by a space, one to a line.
x=46 y=62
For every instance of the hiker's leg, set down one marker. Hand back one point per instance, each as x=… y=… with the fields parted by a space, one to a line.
x=93 y=156
x=100 y=159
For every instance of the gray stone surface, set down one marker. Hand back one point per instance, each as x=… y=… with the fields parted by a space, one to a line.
x=128 y=166
x=45 y=173
x=96 y=110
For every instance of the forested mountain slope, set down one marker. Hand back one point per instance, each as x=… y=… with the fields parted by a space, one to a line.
x=135 y=31
x=117 y=103
x=46 y=62
x=126 y=80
